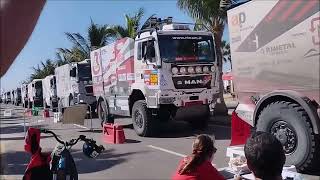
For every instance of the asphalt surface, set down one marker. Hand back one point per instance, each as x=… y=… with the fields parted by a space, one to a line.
x=138 y=158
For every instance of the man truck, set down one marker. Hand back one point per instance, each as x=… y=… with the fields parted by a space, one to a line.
x=7 y=97
x=74 y=84
x=275 y=47
x=17 y=96
x=50 y=98
x=35 y=97
x=24 y=95
x=166 y=67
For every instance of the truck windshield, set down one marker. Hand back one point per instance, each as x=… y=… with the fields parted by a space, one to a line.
x=190 y=48
x=84 y=72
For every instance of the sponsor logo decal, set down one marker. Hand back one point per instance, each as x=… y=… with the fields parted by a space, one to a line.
x=278 y=49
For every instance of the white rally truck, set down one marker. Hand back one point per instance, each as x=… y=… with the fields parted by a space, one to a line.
x=24 y=95
x=275 y=52
x=166 y=67
x=35 y=97
x=74 y=84
x=50 y=98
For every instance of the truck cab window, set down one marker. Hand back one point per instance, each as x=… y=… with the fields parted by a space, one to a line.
x=139 y=49
x=148 y=51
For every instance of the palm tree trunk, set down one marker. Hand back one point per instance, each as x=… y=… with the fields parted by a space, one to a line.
x=220 y=107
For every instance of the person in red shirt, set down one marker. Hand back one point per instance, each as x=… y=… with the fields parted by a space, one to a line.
x=197 y=166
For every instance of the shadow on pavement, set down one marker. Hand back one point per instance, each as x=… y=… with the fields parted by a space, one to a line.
x=132 y=141
x=11 y=117
x=16 y=162
x=16 y=129
x=177 y=129
x=104 y=161
x=21 y=138
x=91 y=131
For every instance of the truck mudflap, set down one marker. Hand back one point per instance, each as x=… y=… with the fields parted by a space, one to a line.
x=240 y=130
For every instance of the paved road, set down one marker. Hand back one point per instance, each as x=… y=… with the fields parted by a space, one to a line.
x=138 y=158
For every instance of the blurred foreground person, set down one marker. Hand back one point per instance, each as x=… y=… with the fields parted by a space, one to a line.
x=18 y=19
x=197 y=166
x=265 y=156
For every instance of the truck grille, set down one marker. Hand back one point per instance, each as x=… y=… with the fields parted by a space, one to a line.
x=191 y=82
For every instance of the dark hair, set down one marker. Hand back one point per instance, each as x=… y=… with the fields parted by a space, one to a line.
x=202 y=148
x=265 y=155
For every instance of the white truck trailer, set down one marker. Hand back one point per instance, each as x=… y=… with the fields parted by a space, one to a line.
x=35 y=97
x=74 y=84
x=166 y=67
x=49 y=87
x=275 y=48
x=24 y=95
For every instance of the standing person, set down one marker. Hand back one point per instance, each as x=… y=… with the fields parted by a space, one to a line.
x=265 y=156
x=197 y=166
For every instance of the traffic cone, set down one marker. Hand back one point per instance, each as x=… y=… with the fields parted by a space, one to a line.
x=119 y=134
x=45 y=113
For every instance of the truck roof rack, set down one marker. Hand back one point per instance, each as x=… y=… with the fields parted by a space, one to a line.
x=153 y=24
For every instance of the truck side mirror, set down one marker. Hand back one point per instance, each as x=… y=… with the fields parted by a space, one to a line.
x=73 y=72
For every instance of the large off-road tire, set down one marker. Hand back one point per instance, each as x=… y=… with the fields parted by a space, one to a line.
x=290 y=123
x=143 y=122
x=103 y=113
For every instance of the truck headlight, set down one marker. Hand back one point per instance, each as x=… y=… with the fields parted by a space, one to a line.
x=212 y=68
x=190 y=70
x=198 y=69
x=183 y=70
x=205 y=69
x=174 y=70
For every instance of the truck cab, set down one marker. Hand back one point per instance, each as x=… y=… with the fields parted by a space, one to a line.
x=17 y=96
x=35 y=93
x=50 y=98
x=74 y=84
x=24 y=95
x=165 y=68
x=8 y=97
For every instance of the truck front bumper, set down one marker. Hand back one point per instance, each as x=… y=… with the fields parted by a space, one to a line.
x=183 y=99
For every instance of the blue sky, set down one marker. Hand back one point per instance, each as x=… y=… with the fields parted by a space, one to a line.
x=58 y=17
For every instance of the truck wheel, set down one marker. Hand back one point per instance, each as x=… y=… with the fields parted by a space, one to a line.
x=142 y=120
x=290 y=123
x=103 y=113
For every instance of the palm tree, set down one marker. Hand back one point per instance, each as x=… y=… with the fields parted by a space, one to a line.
x=46 y=69
x=213 y=16
x=132 y=25
x=97 y=36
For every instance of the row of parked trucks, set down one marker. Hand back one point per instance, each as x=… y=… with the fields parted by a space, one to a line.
x=275 y=58
x=166 y=67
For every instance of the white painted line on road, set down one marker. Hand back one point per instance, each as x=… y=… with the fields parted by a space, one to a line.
x=172 y=152
x=166 y=150
x=40 y=121
x=80 y=126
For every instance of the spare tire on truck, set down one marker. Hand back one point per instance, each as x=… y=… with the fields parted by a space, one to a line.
x=290 y=123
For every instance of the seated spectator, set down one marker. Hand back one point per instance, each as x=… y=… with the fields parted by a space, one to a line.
x=197 y=166
x=265 y=156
